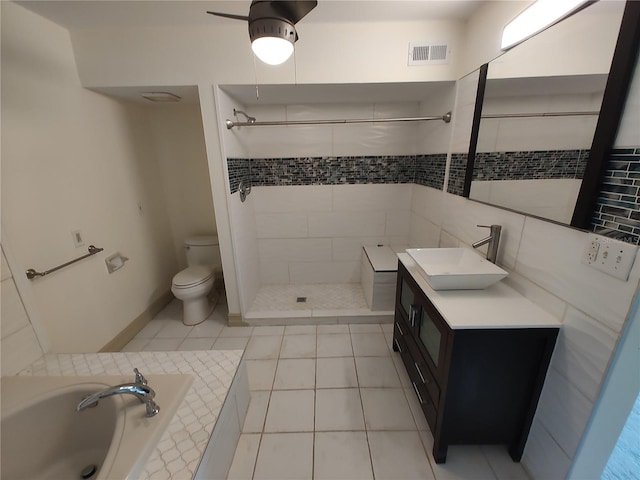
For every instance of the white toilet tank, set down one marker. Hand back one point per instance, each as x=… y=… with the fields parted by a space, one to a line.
x=203 y=250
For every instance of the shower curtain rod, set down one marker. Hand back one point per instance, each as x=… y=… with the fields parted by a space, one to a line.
x=251 y=122
x=548 y=114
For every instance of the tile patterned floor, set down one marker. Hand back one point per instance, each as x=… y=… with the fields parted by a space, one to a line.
x=328 y=402
x=343 y=296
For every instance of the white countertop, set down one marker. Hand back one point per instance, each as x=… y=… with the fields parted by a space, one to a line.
x=498 y=306
x=183 y=443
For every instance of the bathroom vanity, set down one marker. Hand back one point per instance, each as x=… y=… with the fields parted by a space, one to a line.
x=477 y=359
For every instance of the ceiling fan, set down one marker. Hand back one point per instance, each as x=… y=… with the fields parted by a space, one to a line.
x=271 y=27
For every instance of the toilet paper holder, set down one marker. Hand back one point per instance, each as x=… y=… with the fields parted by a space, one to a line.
x=115 y=262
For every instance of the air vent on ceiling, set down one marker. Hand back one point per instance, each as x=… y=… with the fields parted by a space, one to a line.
x=428 y=53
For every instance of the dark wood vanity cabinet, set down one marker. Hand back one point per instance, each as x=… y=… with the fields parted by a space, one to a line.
x=475 y=385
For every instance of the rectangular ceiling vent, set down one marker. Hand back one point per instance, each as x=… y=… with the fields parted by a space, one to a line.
x=428 y=53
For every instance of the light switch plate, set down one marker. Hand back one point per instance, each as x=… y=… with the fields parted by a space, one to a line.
x=610 y=256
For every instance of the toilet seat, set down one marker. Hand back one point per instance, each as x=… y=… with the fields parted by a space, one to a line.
x=192 y=276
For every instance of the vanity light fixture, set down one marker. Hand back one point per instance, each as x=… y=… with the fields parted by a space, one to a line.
x=538 y=16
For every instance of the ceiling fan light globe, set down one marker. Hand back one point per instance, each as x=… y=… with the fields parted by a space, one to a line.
x=272 y=50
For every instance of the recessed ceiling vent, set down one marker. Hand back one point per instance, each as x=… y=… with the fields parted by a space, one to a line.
x=428 y=53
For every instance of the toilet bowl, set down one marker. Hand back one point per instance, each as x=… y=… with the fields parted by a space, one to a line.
x=192 y=285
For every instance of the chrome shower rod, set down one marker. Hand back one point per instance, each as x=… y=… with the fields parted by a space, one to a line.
x=547 y=114
x=445 y=118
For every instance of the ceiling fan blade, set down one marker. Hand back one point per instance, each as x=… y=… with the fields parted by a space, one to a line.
x=294 y=10
x=229 y=15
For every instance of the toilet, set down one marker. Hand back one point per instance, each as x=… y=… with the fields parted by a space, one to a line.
x=193 y=284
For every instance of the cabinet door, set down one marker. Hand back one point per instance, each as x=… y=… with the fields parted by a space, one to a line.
x=407 y=298
x=432 y=332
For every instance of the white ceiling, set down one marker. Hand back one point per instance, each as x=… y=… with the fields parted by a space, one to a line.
x=78 y=14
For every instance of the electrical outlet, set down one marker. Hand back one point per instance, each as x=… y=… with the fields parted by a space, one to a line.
x=610 y=256
x=78 y=240
x=592 y=251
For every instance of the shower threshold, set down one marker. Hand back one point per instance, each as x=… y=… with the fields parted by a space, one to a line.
x=323 y=304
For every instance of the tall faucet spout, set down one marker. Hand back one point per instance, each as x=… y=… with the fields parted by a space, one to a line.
x=138 y=389
x=493 y=240
x=482 y=242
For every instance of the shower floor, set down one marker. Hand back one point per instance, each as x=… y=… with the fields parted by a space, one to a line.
x=313 y=304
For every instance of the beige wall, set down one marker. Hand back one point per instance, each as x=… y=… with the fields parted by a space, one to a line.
x=73 y=159
x=20 y=345
x=221 y=54
x=180 y=153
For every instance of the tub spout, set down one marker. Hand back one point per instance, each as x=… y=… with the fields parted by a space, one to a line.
x=138 y=389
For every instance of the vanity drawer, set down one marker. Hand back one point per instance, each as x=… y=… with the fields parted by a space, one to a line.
x=422 y=373
x=428 y=408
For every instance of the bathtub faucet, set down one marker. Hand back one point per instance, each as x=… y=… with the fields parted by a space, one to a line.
x=138 y=389
x=493 y=240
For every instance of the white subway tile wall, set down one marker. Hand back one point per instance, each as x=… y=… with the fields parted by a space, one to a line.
x=315 y=234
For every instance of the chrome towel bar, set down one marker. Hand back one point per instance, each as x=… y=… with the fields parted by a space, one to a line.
x=31 y=273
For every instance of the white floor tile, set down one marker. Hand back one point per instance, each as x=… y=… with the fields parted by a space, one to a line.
x=386 y=409
x=416 y=409
x=300 y=330
x=135 y=345
x=174 y=329
x=339 y=409
x=290 y=411
x=298 y=346
x=230 y=343
x=244 y=460
x=401 y=369
x=334 y=345
x=261 y=373
x=268 y=330
x=341 y=456
x=236 y=332
x=464 y=462
x=295 y=374
x=263 y=347
x=377 y=372
x=387 y=328
x=208 y=328
x=502 y=464
x=257 y=412
x=152 y=328
x=336 y=372
x=285 y=456
x=365 y=328
x=399 y=456
x=162 y=345
x=369 y=344
x=325 y=329
x=195 y=344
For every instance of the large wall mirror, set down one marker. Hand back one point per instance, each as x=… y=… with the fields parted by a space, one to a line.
x=539 y=108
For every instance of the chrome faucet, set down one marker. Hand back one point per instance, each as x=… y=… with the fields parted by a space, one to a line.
x=493 y=239
x=138 y=389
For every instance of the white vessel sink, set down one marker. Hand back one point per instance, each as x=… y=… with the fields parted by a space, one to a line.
x=455 y=268
x=44 y=437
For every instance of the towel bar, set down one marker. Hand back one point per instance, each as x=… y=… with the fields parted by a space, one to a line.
x=31 y=273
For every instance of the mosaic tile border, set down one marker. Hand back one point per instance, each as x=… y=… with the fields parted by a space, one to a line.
x=617 y=212
x=457 y=172
x=427 y=170
x=530 y=165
